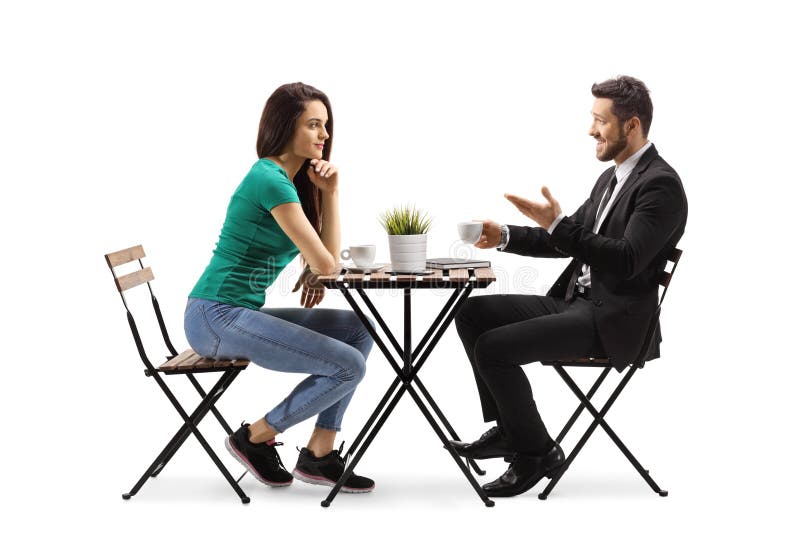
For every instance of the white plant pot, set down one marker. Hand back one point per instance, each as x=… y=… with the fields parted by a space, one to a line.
x=408 y=252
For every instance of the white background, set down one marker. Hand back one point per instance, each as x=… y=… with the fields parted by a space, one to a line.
x=126 y=123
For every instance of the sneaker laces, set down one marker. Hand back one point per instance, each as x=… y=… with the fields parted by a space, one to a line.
x=344 y=458
x=276 y=458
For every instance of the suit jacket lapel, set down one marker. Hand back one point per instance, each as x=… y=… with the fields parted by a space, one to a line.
x=591 y=216
x=645 y=160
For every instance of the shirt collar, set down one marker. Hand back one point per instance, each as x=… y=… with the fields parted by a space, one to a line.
x=625 y=168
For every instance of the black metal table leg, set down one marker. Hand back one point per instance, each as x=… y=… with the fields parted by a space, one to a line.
x=478 y=489
x=360 y=452
x=406 y=332
x=373 y=334
x=405 y=376
x=389 y=392
x=445 y=422
x=433 y=334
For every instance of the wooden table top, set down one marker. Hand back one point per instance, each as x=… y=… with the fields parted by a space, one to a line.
x=479 y=278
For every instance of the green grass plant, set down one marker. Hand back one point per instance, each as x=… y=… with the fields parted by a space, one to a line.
x=405 y=220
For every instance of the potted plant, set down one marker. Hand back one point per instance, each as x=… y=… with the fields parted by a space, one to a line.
x=408 y=237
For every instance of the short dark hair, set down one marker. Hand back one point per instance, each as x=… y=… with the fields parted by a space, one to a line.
x=630 y=98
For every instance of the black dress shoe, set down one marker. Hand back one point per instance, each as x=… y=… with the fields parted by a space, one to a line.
x=524 y=472
x=492 y=444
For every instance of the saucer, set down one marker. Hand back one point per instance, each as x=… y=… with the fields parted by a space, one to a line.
x=375 y=267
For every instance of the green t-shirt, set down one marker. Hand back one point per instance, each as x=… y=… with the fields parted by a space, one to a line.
x=252 y=249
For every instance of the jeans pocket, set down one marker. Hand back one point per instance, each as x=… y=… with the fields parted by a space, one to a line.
x=201 y=337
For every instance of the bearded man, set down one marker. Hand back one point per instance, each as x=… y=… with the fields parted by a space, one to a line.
x=601 y=304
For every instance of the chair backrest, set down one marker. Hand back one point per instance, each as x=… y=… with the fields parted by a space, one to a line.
x=144 y=275
x=666 y=274
x=665 y=279
x=128 y=281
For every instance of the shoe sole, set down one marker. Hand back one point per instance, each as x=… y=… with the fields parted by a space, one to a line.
x=548 y=474
x=322 y=481
x=252 y=470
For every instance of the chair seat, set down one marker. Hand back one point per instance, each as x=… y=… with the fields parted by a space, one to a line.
x=189 y=361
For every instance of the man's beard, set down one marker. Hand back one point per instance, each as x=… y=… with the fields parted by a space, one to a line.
x=612 y=151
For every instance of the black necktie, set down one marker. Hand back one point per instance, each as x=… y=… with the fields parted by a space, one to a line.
x=579 y=268
x=609 y=191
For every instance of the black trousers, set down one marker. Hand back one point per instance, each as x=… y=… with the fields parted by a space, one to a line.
x=500 y=333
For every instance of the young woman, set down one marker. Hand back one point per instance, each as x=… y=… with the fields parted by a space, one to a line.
x=287 y=203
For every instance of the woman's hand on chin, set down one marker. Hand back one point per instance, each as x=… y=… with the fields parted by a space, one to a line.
x=324 y=175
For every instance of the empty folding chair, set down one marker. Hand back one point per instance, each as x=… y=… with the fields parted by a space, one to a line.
x=187 y=363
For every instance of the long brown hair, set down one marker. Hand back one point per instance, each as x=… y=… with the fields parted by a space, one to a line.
x=275 y=130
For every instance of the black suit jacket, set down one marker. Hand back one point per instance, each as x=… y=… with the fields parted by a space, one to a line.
x=627 y=255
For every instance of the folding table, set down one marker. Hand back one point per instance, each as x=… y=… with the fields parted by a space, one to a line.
x=409 y=359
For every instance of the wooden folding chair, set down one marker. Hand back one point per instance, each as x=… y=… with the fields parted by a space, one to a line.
x=187 y=363
x=599 y=415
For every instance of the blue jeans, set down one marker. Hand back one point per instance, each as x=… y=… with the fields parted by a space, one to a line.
x=329 y=345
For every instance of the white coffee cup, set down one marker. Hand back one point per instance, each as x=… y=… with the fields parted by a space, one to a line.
x=362 y=255
x=470 y=232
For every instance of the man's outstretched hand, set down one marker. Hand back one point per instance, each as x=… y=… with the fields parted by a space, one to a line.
x=543 y=213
